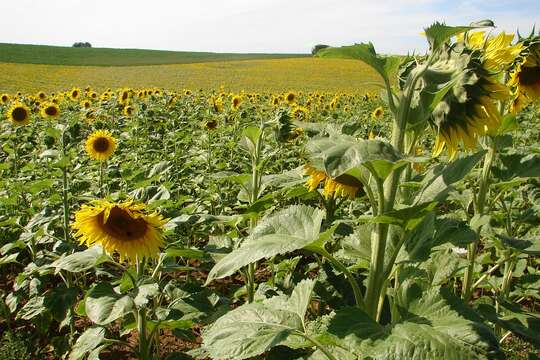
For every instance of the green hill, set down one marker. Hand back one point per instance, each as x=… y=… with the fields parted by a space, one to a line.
x=59 y=55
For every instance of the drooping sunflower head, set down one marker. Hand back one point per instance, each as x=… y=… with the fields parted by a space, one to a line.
x=469 y=110
x=342 y=186
x=50 y=110
x=4 y=98
x=235 y=103
x=123 y=228
x=498 y=53
x=19 y=114
x=377 y=113
x=525 y=78
x=100 y=145
x=75 y=93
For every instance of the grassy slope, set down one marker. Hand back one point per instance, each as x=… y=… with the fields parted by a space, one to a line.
x=58 y=55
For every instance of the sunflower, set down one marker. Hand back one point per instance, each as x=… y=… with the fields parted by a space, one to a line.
x=86 y=104
x=290 y=97
x=344 y=185
x=275 y=101
x=4 y=98
x=19 y=114
x=41 y=95
x=211 y=124
x=300 y=113
x=525 y=79
x=217 y=104
x=295 y=134
x=128 y=110
x=377 y=113
x=75 y=93
x=470 y=110
x=124 y=96
x=235 y=103
x=50 y=110
x=498 y=53
x=125 y=228
x=100 y=145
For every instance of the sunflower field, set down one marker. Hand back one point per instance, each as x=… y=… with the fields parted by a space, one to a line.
x=151 y=223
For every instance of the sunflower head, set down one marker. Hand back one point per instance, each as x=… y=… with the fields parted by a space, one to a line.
x=300 y=113
x=75 y=93
x=100 y=145
x=50 y=110
x=41 y=95
x=469 y=110
x=86 y=104
x=275 y=101
x=235 y=103
x=128 y=110
x=217 y=104
x=377 y=113
x=342 y=186
x=211 y=124
x=19 y=114
x=290 y=97
x=525 y=78
x=4 y=98
x=124 y=228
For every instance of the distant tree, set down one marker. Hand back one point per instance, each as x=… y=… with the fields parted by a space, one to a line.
x=82 y=45
x=318 y=47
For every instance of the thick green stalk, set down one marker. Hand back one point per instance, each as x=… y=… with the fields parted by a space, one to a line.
x=376 y=265
x=467 y=287
x=65 y=193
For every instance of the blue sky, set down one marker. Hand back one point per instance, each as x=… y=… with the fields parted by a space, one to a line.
x=250 y=25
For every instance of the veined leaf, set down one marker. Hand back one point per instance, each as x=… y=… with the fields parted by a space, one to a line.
x=287 y=230
x=255 y=328
x=341 y=154
x=435 y=326
x=437 y=182
x=82 y=260
x=88 y=341
x=104 y=305
x=366 y=53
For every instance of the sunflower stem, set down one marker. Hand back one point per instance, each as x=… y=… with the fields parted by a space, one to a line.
x=65 y=191
x=467 y=287
x=101 y=164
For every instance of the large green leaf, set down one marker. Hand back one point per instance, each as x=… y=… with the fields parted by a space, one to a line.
x=435 y=326
x=104 y=305
x=523 y=323
x=341 y=154
x=365 y=52
x=88 y=341
x=255 y=328
x=531 y=246
x=520 y=166
x=437 y=181
x=81 y=261
x=59 y=300
x=287 y=230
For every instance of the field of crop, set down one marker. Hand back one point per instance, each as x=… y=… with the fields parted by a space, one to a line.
x=59 y=55
x=308 y=74
x=276 y=208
